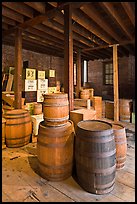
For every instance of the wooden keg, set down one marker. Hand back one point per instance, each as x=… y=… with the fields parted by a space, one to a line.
x=55 y=151
x=18 y=128
x=3 y=130
x=84 y=94
x=121 y=145
x=37 y=109
x=95 y=156
x=55 y=109
x=125 y=106
x=109 y=109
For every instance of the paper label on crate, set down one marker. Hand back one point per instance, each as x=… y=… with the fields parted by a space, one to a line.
x=30 y=85
x=30 y=74
x=41 y=74
x=42 y=84
x=51 y=73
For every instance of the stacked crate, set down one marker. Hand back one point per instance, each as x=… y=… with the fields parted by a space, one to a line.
x=97 y=105
x=29 y=88
x=51 y=76
x=42 y=87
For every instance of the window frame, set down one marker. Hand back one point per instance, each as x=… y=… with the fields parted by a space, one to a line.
x=107 y=74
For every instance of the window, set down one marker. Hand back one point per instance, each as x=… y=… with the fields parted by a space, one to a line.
x=85 y=71
x=108 y=73
x=75 y=74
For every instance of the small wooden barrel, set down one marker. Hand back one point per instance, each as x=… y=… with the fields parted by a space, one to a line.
x=85 y=94
x=55 y=151
x=121 y=145
x=3 y=130
x=37 y=108
x=18 y=128
x=109 y=109
x=55 y=109
x=95 y=156
x=125 y=106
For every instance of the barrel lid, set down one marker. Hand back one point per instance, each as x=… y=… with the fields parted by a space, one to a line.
x=94 y=125
x=55 y=95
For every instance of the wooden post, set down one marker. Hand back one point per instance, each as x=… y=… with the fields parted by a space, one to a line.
x=78 y=73
x=115 y=84
x=18 y=69
x=68 y=55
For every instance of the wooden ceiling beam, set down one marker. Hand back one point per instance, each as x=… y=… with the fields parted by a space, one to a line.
x=19 y=7
x=8 y=21
x=129 y=11
x=38 y=6
x=80 y=18
x=106 y=46
x=94 y=14
x=12 y=14
x=116 y=16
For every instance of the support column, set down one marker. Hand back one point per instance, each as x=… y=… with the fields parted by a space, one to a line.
x=115 y=84
x=78 y=73
x=68 y=55
x=18 y=69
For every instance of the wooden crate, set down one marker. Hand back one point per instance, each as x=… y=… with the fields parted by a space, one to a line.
x=97 y=105
x=109 y=109
x=82 y=114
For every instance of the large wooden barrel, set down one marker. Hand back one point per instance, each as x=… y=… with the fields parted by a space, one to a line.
x=125 y=106
x=37 y=108
x=55 y=109
x=95 y=156
x=55 y=151
x=85 y=94
x=121 y=145
x=18 y=128
x=3 y=130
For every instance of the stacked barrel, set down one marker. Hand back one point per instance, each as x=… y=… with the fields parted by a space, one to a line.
x=55 y=138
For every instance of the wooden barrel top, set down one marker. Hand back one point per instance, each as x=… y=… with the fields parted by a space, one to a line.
x=94 y=125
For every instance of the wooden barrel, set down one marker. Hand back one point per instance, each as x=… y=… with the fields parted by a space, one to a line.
x=37 y=108
x=109 y=109
x=55 y=109
x=125 y=106
x=85 y=94
x=55 y=151
x=18 y=128
x=95 y=156
x=121 y=145
x=3 y=130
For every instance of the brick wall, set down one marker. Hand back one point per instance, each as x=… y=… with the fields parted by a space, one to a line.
x=36 y=60
x=126 y=78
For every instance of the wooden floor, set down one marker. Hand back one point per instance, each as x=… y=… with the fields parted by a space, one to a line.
x=21 y=181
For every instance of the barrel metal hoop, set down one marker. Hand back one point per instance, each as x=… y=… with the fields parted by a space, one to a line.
x=18 y=138
x=55 y=104
x=56 y=119
x=63 y=166
x=18 y=123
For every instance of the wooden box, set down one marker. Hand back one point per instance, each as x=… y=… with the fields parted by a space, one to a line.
x=97 y=105
x=82 y=114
